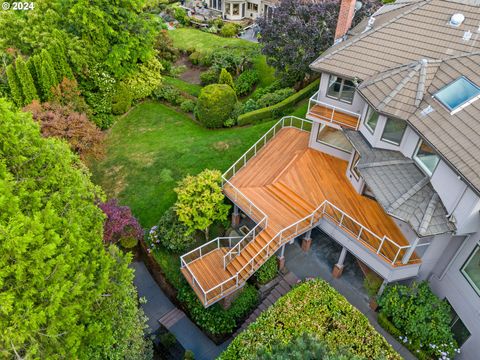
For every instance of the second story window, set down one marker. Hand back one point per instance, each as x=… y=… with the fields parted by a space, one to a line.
x=426 y=157
x=371 y=120
x=471 y=269
x=341 y=89
x=394 y=130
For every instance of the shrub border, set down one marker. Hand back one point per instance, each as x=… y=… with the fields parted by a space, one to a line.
x=388 y=326
x=275 y=110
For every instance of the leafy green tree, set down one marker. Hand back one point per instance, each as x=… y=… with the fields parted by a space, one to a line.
x=226 y=78
x=171 y=233
x=14 y=85
x=63 y=295
x=215 y=104
x=26 y=80
x=200 y=201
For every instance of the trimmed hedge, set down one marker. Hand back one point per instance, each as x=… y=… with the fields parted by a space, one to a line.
x=277 y=109
x=315 y=308
x=215 y=104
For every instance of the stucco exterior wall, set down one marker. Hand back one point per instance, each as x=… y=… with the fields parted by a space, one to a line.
x=450 y=283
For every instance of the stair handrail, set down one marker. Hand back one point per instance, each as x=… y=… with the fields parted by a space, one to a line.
x=320 y=209
x=286 y=121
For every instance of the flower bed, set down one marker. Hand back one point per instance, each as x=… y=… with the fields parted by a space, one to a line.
x=315 y=308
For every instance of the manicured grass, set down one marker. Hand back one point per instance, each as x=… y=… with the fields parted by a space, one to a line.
x=188 y=38
x=154 y=146
x=189 y=88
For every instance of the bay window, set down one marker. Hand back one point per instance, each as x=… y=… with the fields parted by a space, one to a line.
x=394 y=130
x=426 y=157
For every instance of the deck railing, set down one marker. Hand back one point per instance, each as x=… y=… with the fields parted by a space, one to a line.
x=334 y=109
x=239 y=198
x=382 y=246
x=285 y=122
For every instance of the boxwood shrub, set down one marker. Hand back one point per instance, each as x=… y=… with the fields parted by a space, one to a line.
x=278 y=109
x=315 y=308
x=215 y=104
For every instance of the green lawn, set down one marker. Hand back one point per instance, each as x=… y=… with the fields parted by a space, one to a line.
x=153 y=147
x=189 y=88
x=188 y=38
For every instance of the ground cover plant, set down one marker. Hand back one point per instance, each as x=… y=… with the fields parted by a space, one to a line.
x=314 y=308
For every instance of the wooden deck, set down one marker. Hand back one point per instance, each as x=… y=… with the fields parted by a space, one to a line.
x=325 y=114
x=287 y=180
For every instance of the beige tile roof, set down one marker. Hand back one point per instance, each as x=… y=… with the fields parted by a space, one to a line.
x=410 y=53
x=408 y=32
x=457 y=136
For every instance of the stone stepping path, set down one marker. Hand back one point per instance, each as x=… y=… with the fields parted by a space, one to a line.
x=283 y=286
x=171 y=318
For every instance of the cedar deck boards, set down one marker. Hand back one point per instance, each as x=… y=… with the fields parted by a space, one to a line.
x=324 y=113
x=287 y=180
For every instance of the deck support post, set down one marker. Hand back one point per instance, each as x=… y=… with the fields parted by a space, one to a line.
x=226 y=302
x=281 y=259
x=307 y=241
x=382 y=287
x=338 y=267
x=235 y=216
x=410 y=250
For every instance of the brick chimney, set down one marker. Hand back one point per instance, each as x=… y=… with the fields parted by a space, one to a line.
x=345 y=17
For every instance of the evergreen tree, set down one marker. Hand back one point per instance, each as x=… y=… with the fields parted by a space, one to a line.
x=14 y=85
x=226 y=78
x=62 y=295
x=62 y=68
x=48 y=77
x=26 y=80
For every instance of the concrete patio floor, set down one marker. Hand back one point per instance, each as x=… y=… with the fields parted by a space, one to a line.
x=319 y=261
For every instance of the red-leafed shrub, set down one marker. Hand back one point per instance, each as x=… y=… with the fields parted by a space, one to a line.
x=120 y=225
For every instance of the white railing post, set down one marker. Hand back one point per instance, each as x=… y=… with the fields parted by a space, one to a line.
x=341 y=219
x=396 y=256
x=380 y=246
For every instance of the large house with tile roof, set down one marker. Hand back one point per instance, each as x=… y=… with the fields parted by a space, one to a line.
x=387 y=162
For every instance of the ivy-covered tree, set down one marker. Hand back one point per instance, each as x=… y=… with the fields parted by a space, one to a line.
x=200 y=201
x=26 y=80
x=63 y=294
x=14 y=85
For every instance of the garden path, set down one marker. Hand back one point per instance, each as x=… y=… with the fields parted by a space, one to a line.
x=158 y=305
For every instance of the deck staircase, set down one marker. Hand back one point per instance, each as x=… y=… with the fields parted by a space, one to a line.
x=237 y=259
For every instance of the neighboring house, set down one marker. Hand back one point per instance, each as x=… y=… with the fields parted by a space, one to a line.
x=388 y=163
x=238 y=10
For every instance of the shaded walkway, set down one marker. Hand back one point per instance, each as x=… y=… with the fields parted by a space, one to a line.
x=319 y=261
x=158 y=305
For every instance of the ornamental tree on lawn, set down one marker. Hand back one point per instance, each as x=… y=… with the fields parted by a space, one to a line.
x=200 y=201
x=62 y=294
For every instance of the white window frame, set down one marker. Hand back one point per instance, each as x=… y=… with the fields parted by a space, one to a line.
x=420 y=163
x=365 y=121
x=391 y=141
x=474 y=252
x=340 y=91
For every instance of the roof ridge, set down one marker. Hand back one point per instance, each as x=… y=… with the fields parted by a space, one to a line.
x=421 y=82
x=399 y=87
x=428 y=215
x=412 y=191
x=362 y=35
x=385 y=163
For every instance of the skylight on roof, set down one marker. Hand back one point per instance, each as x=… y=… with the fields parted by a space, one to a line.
x=458 y=94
